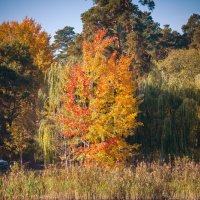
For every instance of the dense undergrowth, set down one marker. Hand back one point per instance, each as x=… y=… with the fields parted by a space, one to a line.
x=145 y=181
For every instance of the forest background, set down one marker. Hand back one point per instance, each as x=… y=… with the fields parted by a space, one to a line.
x=47 y=115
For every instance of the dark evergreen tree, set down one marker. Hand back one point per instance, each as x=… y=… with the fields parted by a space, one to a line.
x=191 y=30
x=63 y=40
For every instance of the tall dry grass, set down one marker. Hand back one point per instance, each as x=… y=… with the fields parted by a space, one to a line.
x=182 y=181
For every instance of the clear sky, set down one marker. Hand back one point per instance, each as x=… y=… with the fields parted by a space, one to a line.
x=56 y=14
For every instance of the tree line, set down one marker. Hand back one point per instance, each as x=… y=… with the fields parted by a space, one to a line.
x=123 y=87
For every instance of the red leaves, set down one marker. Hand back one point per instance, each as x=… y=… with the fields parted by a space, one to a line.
x=99 y=104
x=75 y=103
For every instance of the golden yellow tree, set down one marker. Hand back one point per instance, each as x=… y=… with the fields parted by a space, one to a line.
x=113 y=107
x=29 y=33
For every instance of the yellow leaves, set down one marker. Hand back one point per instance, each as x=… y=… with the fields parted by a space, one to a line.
x=30 y=33
x=112 y=103
x=114 y=109
x=93 y=54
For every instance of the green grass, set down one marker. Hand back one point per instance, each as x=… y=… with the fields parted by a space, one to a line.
x=143 y=182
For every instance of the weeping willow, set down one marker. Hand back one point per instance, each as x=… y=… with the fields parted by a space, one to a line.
x=45 y=140
x=49 y=134
x=56 y=80
x=170 y=111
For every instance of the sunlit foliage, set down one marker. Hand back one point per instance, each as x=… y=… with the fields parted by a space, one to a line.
x=101 y=107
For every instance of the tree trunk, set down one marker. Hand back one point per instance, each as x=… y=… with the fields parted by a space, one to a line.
x=66 y=161
x=21 y=158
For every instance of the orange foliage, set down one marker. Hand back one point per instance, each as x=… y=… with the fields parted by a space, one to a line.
x=112 y=108
x=30 y=33
x=76 y=111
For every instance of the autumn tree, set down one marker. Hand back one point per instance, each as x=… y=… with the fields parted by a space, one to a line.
x=29 y=33
x=104 y=113
x=25 y=54
x=15 y=89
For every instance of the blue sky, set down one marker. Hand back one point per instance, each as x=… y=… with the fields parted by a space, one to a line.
x=56 y=14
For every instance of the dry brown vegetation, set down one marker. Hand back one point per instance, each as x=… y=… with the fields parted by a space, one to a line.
x=155 y=181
